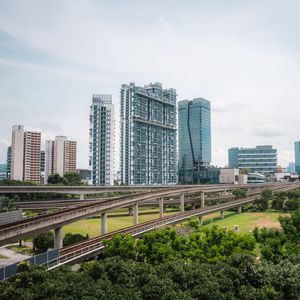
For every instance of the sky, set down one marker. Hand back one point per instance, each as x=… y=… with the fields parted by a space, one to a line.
x=242 y=55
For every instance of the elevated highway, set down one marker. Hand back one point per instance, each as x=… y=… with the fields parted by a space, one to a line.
x=90 y=190
x=28 y=227
x=90 y=248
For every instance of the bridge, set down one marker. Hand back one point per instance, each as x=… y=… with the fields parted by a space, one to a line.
x=84 y=250
x=29 y=227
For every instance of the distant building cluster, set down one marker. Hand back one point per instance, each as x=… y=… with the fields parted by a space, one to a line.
x=27 y=162
x=158 y=145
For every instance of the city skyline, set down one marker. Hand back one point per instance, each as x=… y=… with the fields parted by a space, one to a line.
x=47 y=78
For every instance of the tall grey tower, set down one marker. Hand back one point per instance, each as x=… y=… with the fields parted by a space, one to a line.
x=148 y=135
x=102 y=140
x=194 y=139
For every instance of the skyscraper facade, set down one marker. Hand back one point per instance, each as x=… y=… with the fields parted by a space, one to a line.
x=60 y=156
x=17 y=152
x=148 y=135
x=32 y=156
x=297 y=157
x=102 y=140
x=8 y=162
x=261 y=159
x=49 y=149
x=25 y=154
x=194 y=139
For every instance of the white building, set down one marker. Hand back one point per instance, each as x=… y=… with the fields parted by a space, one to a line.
x=102 y=140
x=229 y=176
x=25 y=154
x=60 y=156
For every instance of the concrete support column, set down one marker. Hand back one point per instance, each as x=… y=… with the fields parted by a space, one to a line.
x=135 y=214
x=130 y=212
x=239 y=209
x=161 y=207
x=182 y=203
x=58 y=240
x=193 y=206
x=201 y=220
x=81 y=197
x=103 y=223
x=202 y=194
x=222 y=214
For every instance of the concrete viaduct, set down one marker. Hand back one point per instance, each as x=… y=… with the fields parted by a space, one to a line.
x=90 y=248
x=13 y=232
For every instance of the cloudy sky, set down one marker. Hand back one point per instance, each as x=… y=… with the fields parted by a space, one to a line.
x=242 y=55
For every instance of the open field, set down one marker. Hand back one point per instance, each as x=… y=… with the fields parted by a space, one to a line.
x=92 y=226
x=246 y=221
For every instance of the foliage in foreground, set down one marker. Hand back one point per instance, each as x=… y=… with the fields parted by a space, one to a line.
x=240 y=277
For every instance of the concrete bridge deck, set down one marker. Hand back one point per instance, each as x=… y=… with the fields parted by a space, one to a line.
x=90 y=248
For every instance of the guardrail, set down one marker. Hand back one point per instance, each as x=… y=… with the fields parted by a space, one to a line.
x=97 y=243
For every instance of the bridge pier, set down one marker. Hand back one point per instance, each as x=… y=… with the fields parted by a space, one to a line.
x=201 y=220
x=130 y=212
x=103 y=223
x=240 y=209
x=182 y=203
x=135 y=214
x=58 y=240
x=161 y=207
x=202 y=195
x=222 y=214
x=81 y=197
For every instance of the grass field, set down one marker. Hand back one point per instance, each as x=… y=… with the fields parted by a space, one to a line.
x=92 y=226
x=245 y=221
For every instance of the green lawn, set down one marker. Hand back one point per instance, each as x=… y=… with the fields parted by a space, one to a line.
x=92 y=226
x=246 y=221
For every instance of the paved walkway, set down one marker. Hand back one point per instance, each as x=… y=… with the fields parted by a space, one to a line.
x=11 y=257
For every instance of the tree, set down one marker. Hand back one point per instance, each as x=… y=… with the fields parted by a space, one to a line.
x=72 y=178
x=239 y=193
x=56 y=179
x=291 y=226
x=43 y=241
x=7 y=204
x=70 y=238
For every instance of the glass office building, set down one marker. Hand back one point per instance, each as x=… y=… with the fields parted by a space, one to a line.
x=102 y=140
x=297 y=157
x=194 y=139
x=261 y=159
x=148 y=135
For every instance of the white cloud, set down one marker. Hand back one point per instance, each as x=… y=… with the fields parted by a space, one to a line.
x=268 y=130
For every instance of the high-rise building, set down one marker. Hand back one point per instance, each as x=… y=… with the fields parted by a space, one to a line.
x=60 y=156
x=194 y=139
x=49 y=149
x=42 y=167
x=8 y=162
x=102 y=140
x=261 y=159
x=291 y=168
x=25 y=154
x=17 y=152
x=32 y=156
x=233 y=154
x=148 y=135
x=297 y=157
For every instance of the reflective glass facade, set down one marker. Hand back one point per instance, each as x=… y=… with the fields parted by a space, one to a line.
x=148 y=135
x=194 y=139
x=261 y=159
x=102 y=144
x=297 y=157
